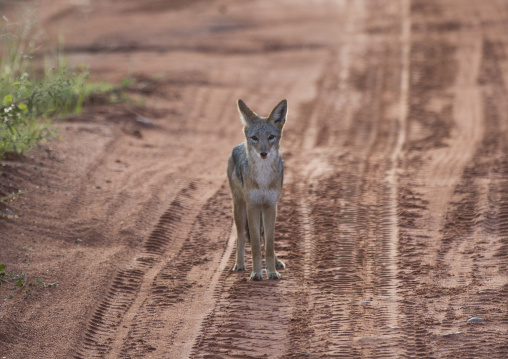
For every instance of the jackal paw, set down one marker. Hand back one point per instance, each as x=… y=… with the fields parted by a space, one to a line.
x=256 y=276
x=280 y=264
x=239 y=267
x=272 y=275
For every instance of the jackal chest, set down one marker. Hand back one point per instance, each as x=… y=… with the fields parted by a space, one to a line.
x=265 y=185
x=263 y=196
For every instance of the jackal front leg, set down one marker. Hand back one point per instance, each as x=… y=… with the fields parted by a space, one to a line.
x=269 y=214
x=253 y=218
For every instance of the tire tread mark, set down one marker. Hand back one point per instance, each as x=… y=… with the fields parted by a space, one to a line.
x=175 y=287
x=102 y=326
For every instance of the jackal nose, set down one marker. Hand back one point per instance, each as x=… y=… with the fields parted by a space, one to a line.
x=263 y=154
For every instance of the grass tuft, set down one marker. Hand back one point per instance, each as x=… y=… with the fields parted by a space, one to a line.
x=34 y=89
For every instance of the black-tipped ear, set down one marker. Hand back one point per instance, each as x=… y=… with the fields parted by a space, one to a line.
x=278 y=115
x=246 y=114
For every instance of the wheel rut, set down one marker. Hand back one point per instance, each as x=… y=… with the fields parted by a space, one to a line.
x=122 y=316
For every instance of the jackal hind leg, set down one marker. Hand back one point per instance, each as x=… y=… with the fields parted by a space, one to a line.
x=279 y=264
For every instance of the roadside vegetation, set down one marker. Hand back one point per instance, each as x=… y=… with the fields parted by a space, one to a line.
x=19 y=281
x=36 y=87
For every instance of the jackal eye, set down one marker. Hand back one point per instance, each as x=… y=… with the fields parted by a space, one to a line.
x=254 y=138
x=271 y=137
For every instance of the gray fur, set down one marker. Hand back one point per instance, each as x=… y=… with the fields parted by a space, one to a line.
x=255 y=175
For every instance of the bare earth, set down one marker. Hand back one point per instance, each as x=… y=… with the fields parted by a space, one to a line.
x=393 y=220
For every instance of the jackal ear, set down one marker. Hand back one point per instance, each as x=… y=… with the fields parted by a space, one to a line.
x=246 y=114
x=278 y=115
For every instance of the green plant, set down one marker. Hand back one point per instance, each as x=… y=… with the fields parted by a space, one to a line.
x=11 y=278
x=11 y=196
x=27 y=105
x=35 y=88
x=38 y=282
x=20 y=280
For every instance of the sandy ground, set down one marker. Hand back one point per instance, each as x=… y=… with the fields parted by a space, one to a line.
x=393 y=221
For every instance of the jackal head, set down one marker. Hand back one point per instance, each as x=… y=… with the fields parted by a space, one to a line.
x=263 y=134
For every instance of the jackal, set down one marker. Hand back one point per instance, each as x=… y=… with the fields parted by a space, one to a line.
x=255 y=174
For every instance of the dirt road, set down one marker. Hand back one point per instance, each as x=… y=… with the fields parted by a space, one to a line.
x=393 y=221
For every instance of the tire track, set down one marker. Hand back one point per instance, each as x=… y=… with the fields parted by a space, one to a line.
x=391 y=205
x=475 y=231
x=130 y=286
x=332 y=274
x=450 y=262
x=471 y=252
x=352 y=298
x=354 y=285
x=434 y=150
x=178 y=286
